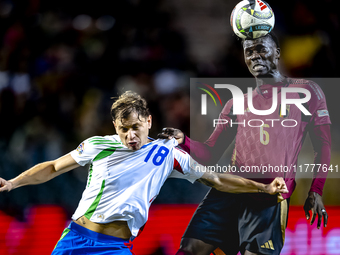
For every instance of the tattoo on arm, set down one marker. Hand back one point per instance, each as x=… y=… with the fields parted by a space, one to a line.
x=82 y=220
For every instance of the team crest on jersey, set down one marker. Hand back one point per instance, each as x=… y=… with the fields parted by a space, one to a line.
x=80 y=148
x=287 y=112
x=100 y=216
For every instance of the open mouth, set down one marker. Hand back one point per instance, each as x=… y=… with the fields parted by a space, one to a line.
x=258 y=67
x=132 y=144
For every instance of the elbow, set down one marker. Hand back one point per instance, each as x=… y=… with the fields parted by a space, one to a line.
x=220 y=186
x=53 y=166
x=223 y=183
x=212 y=180
x=47 y=172
x=50 y=165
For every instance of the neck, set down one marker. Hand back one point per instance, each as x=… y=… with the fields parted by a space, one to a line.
x=278 y=77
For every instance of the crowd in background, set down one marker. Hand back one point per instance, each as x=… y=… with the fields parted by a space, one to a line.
x=61 y=62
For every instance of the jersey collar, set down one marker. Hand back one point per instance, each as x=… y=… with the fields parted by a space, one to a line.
x=266 y=89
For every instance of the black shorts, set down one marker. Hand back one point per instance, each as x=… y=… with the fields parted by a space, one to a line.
x=239 y=222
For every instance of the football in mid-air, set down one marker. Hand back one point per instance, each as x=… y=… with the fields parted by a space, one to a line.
x=252 y=19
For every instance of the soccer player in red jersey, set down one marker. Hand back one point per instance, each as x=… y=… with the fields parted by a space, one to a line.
x=255 y=224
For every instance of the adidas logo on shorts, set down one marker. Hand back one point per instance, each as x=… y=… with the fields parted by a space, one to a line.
x=268 y=245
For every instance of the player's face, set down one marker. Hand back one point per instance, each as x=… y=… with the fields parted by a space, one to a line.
x=133 y=131
x=261 y=56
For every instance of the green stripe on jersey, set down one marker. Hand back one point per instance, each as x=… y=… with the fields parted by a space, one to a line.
x=105 y=153
x=65 y=232
x=105 y=142
x=95 y=203
x=90 y=175
x=102 y=140
x=97 y=138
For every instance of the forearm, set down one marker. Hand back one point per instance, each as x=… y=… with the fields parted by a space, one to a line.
x=44 y=172
x=232 y=184
x=38 y=174
x=236 y=184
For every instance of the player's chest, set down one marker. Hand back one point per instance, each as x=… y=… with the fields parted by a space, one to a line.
x=265 y=120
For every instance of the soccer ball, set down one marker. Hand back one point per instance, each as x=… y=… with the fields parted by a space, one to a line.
x=252 y=19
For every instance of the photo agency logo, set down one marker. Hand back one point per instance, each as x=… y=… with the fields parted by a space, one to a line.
x=204 y=97
x=243 y=104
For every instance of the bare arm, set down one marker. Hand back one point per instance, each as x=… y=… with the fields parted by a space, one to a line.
x=223 y=181
x=40 y=173
x=236 y=184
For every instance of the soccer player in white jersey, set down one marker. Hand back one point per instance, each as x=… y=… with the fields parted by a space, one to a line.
x=126 y=173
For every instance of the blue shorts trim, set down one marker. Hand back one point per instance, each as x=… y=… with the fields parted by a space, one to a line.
x=80 y=240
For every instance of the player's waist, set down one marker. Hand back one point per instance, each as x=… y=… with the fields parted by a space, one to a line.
x=118 y=229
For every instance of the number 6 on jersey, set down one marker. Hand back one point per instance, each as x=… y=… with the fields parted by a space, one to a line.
x=264 y=135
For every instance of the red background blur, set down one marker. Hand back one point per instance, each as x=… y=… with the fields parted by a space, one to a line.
x=162 y=233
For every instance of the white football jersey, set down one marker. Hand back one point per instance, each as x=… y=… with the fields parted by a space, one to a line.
x=122 y=183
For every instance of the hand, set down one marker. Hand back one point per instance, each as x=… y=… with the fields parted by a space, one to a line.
x=278 y=185
x=169 y=133
x=5 y=185
x=314 y=203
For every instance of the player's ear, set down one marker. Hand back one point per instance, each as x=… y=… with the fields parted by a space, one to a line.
x=149 y=120
x=277 y=53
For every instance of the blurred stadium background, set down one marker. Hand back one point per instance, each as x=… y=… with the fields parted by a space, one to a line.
x=62 y=61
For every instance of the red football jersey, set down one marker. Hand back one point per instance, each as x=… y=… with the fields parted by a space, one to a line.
x=271 y=150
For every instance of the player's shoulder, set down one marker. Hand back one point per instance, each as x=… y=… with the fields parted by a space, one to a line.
x=228 y=107
x=293 y=82
x=180 y=151
x=310 y=85
x=166 y=142
x=104 y=141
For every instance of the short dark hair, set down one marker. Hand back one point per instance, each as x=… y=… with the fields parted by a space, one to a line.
x=274 y=38
x=127 y=103
x=271 y=35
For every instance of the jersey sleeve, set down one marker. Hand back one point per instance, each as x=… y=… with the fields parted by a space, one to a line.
x=210 y=151
x=223 y=124
x=321 y=140
x=184 y=167
x=319 y=134
x=93 y=148
x=317 y=106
